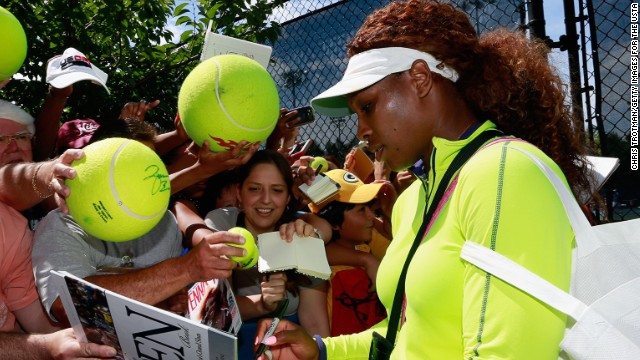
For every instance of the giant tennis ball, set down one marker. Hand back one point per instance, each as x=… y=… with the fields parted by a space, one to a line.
x=248 y=261
x=13 y=44
x=227 y=99
x=121 y=190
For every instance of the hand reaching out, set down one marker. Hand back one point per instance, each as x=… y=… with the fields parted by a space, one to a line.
x=64 y=345
x=282 y=135
x=212 y=163
x=289 y=342
x=137 y=110
x=387 y=196
x=182 y=133
x=299 y=227
x=210 y=258
x=304 y=173
x=55 y=172
x=403 y=179
x=4 y=83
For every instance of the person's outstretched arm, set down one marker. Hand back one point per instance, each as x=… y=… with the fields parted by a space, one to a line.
x=59 y=345
x=24 y=185
x=209 y=163
x=48 y=122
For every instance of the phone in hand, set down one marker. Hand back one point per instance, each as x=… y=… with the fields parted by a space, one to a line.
x=305 y=116
x=299 y=149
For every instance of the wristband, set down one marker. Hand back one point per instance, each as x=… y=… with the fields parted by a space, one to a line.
x=321 y=347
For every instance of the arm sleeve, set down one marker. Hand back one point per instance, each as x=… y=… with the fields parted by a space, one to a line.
x=222 y=219
x=57 y=247
x=527 y=224
x=354 y=346
x=17 y=278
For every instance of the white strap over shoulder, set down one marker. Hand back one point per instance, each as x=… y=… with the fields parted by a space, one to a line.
x=579 y=223
x=520 y=277
x=515 y=274
x=605 y=275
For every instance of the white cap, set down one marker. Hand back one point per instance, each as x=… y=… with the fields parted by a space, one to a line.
x=72 y=66
x=369 y=67
x=16 y=114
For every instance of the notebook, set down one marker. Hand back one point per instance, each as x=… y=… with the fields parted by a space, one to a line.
x=305 y=255
x=322 y=189
x=216 y=44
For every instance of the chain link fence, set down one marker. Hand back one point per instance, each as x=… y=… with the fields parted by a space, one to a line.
x=605 y=41
x=309 y=57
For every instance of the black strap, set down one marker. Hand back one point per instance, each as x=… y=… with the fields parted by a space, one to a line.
x=460 y=159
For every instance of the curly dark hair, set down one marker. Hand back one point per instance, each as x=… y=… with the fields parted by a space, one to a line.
x=504 y=76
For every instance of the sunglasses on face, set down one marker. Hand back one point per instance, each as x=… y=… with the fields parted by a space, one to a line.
x=21 y=138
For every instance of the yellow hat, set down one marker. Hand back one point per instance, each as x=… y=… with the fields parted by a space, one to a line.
x=352 y=190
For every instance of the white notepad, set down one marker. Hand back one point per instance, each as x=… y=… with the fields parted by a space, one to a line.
x=306 y=255
x=216 y=44
x=321 y=190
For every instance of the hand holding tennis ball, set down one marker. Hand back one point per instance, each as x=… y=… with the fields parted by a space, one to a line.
x=319 y=160
x=248 y=261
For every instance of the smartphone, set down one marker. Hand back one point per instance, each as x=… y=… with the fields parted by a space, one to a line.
x=300 y=148
x=305 y=116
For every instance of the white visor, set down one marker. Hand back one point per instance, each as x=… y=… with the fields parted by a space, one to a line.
x=369 y=67
x=73 y=66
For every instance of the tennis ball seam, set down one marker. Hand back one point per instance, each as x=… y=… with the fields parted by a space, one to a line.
x=114 y=191
x=222 y=107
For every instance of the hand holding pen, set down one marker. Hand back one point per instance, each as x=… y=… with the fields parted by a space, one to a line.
x=280 y=311
x=289 y=341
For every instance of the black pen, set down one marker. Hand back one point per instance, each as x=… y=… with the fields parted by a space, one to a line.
x=282 y=308
x=318 y=169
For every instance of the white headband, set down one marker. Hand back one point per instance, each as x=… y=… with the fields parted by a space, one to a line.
x=369 y=67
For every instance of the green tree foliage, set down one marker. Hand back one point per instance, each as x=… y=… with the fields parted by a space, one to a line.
x=131 y=42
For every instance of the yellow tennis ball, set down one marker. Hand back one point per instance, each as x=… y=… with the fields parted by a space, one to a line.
x=227 y=99
x=248 y=261
x=319 y=160
x=13 y=44
x=121 y=190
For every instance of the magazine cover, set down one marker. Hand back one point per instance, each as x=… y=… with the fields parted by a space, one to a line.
x=137 y=330
x=212 y=303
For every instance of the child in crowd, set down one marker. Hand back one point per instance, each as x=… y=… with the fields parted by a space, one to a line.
x=352 y=307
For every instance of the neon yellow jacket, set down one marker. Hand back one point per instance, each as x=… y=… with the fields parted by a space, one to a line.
x=454 y=310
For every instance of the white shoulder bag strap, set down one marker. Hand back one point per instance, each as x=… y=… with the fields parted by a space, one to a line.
x=520 y=277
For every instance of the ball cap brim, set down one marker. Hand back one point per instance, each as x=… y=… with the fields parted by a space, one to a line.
x=73 y=66
x=369 y=67
x=352 y=190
